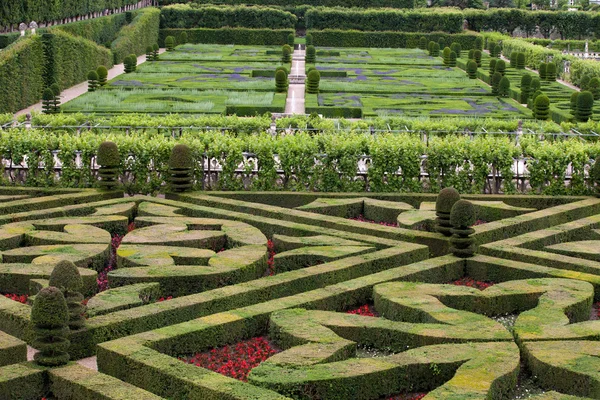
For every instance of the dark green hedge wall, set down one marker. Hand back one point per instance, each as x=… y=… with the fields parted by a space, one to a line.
x=186 y=16
x=21 y=69
x=325 y=3
x=8 y=38
x=230 y=36
x=339 y=38
x=100 y=30
x=384 y=20
x=135 y=37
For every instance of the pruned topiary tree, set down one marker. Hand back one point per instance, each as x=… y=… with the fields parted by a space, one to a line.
x=170 y=43
x=109 y=159
x=423 y=43
x=504 y=87
x=462 y=218
x=452 y=59
x=496 y=78
x=443 y=206
x=457 y=48
x=584 y=82
x=472 y=69
x=520 y=60
x=102 y=72
x=92 y=81
x=155 y=50
x=311 y=54
x=471 y=54
x=525 y=87
x=501 y=67
x=542 y=71
x=594 y=87
x=496 y=51
x=551 y=71
x=49 y=317
x=446 y=56
x=281 y=81
x=149 y=53
x=65 y=276
x=573 y=103
x=309 y=39
x=541 y=109
x=291 y=39
x=478 y=43
x=441 y=42
x=513 y=59
x=535 y=85
x=585 y=104
x=56 y=102
x=48 y=101
x=286 y=54
x=183 y=38
x=312 y=81
x=492 y=66
x=477 y=57
x=181 y=168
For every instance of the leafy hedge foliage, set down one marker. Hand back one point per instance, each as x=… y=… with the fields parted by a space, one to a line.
x=70 y=58
x=325 y=3
x=17 y=11
x=209 y=16
x=230 y=35
x=340 y=38
x=101 y=30
x=581 y=68
x=135 y=37
x=384 y=20
x=21 y=69
x=8 y=38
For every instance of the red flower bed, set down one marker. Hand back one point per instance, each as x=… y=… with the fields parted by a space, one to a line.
x=237 y=360
x=16 y=297
x=596 y=310
x=164 y=298
x=271 y=261
x=361 y=218
x=470 y=282
x=366 y=310
x=102 y=279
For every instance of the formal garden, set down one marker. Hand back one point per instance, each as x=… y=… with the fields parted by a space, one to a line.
x=384 y=199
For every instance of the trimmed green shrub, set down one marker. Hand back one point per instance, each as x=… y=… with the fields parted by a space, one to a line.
x=496 y=78
x=435 y=50
x=594 y=87
x=573 y=103
x=109 y=159
x=170 y=43
x=65 y=276
x=535 y=84
x=286 y=54
x=478 y=43
x=542 y=71
x=504 y=87
x=462 y=217
x=281 y=81
x=520 y=60
x=56 y=103
x=312 y=82
x=584 y=82
x=49 y=316
x=525 y=88
x=155 y=50
x=310 y=54
x=490 y=45
x=496 y=51
x=309 y=39
x=102 y=72
x=531 y=104
x=457 y=48
x=102 y=30
x=182 y=38
x=92 y=81
x=443 y=206
x=291 y=39
x=452 y=59
x=135 y=37
x=551 y=71
x=472 y=69
x=471 y=54
x=446 y=56
x=492 y=68
x=430 y=47
x=500 y=67
x=130 y=63
x=149 y=53
x=423 y=43
x=513 y=59
x=48 y=101
x=542 y=107
x=181 y=167
x=477 y=57
x=585 y=104
x=240 y=36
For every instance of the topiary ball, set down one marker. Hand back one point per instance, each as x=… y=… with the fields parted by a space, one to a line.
x=446 y=199
x=181 y=157
x=462 y=214
x=65 y=276
x=108 y=154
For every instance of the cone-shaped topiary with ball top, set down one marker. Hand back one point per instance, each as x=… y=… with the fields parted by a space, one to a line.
x=102 y=75
x=92 y=81
x=181 y=168
x=311 y=55
x=443 y=205
x=472 y=69
x=65 y=276
x=49 y=317
x=462 y=217
x=312 y=81
x=109 y=159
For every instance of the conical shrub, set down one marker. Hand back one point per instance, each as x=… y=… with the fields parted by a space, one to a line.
x=65 y=276
x=181 y=168
x=312 y=81
x=462 y=218
x=472 y=69
x=443 y=206
x=49 y=317
x=109 y=159
x=281 y=81
x=585 y=104
x=520 y=60
x=525 y=87
x=311 y=55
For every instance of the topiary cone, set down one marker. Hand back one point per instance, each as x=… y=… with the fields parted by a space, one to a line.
x=65 y=276
x=443 y=205
x=462 y=217
x=181 y=168
x=109 y=160
x=49 y=317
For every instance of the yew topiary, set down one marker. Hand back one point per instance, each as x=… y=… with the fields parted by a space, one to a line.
x=291 y=39
x=170 y=43
x=551 y=72
x=513 y=59
x=594 y=87
x=312 y=81
x=281 y=81
x=49 y=317
x=423 y=43
x=584 y=82
x=109 y=159
x=181 y=168
x=311 y=54
x=48 y=101
x=443 y=205
x=504 y=87
x=56 y=102
x=542 y=71
x=472 y=69
x=155 y=50
x=286 y=54
x=497 y=51
x=525 y=88
x=585 y=104
x=92 y=81
x=496 y=78
x=309 y=39
x=535 y=85
x=462 y=217
x=441 y=42
x=501 y=67
x=446 y=56
x=477 y=57
x=149 y=53
x=65 y=276
x=452 y=59
x=183 y=38
x=520 y=60
x=542 y=107
x=457 y=48
x=492 y=66
x=573 y=103
x=471 y=54
x=478 y=43
x=102 y=75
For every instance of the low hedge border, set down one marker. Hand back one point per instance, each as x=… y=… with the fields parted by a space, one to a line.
x=24 y=381
x=240 y=36
x=12 y=350
x=349 y=38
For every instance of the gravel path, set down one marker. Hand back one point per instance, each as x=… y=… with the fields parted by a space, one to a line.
x=295 y=98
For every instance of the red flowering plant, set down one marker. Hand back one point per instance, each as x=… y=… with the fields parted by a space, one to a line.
x=361 y=218
x=16 y=297
x=271 y=260
x=366 y=310
x=470 y=282
x=102 y=279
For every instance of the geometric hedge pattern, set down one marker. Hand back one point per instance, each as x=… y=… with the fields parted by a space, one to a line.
x=287 y=266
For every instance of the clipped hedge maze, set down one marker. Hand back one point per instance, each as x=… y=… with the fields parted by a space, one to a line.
x=169 y=278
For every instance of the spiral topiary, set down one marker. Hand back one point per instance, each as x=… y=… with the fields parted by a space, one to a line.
x=446 y=56
x=492 y=66
x=102 y=75
x=520 y=60
x=443 y=205
x=65 y=276
x=286 y=54
x=457 y=48
x=170 y=43
x=462 y=217
x=541 y=109
x=423 y=43
x=477 y=57
x=93 y=84
x=312 y=81
x=311 y=55
x=109 y=159
x=281 y=81
x=309 y=39
x=49 y=317
x=551 y=71
x=594 y=87
x=501 y=67
x=504 y=87
x=585 y=104
x=496 y=78
x=181 y=168
x=525 y=88
x=472 y=69
x=542 y=71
